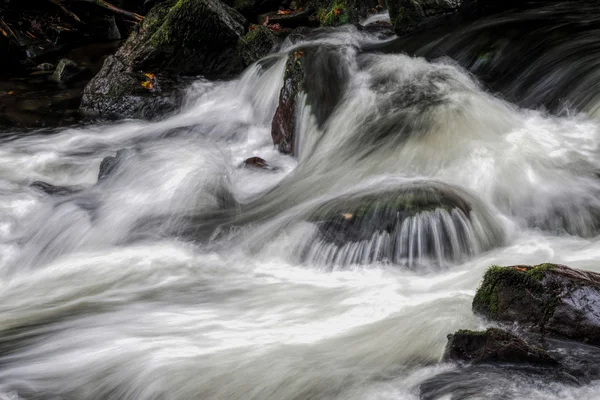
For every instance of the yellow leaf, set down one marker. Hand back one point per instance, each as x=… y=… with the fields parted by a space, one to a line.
x=147 y=85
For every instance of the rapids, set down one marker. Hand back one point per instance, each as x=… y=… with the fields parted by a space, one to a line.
x=182 y=276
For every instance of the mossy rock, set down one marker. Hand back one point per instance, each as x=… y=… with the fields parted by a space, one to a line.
x=187 y=37
x=549 y=298
x=493 y=346
x=256 y=44
x=408 y=15
x=418 y=222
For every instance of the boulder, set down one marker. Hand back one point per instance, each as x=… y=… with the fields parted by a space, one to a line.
x=177 y=38
x=417 y=222
x=283 y=126
x=493 y=345
x=66 y=70
x=256 y=44
x=117 y=91
x=547 y=298
x=318 y=72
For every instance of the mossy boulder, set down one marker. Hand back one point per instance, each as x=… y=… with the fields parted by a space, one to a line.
x=256 y=44
x=419 y=222
x=340 y=12
x=493 y=345
x=177 y=38
x=550 y=298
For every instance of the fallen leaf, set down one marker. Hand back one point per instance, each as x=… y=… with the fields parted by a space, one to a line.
x=347 y=216
x=284 y=12
x=274 y=27
x=521 y=269
x=11 y=92
x=147 y=85
x=336 y=11
x=149 y=75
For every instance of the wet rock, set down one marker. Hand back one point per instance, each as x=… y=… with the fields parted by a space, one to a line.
x=110 y=164
x=53 y=190
x=493 y=345
x=66 y=70
x=45 y=67
x=283 y=126
x=257 y=43
x=409 y=15
x=318 y=72
x=417 y=222
x=177 y=37
x=257 y=163
x=548 y=298
x=117 y=91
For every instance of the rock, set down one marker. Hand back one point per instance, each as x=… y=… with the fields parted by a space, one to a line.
x=66 y=70
x=416 y=222
x=283 y=126
x=409 y=15
x=256 y=44
x=318 y=72
x=119 y=92
x=493 y=345
x=45 y=67
x=102 y=27
x=257 y=163
x=109 y=164
x=549 y=298
x=53 y=190
x=177 y=37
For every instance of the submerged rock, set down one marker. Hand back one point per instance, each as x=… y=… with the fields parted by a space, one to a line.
x=550 y=298
x=53 y=190
x=493 y=345
x=406 y=226
x=66 y=70
x=177 y=37
x=257 y=43
x=110 y=164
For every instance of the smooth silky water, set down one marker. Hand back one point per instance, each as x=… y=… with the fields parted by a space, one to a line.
x=181 y=276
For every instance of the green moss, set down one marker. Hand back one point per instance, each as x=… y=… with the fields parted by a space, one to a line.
x=468 y=332
x=334 y=14
x=539 y=271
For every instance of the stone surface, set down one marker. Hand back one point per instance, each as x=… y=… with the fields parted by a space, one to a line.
x=177 y=38
x=256 y=44
x=493 y=345
x=66 y=70
x=550 y=298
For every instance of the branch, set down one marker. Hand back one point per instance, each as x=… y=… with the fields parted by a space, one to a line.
x=114 y=9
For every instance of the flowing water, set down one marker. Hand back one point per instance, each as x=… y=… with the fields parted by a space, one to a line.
x=182 y=276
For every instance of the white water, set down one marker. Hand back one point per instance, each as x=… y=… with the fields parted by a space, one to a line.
x=100 y=300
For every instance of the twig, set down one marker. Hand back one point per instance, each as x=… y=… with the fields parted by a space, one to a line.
x=114 y=9
x=65 y=10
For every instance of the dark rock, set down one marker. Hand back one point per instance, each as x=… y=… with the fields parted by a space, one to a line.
x=177 y=37
x=120 y=92
x=53 y=190
x=256 y=163
x=551 y=299
x=419 y=220
x=102 y=27
x=66 y=70
x=257 y=43
x=110 y=164
x=408 y=15
x=45 y=67
x=318 y=72
x=283 y=127
x=493 y=345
